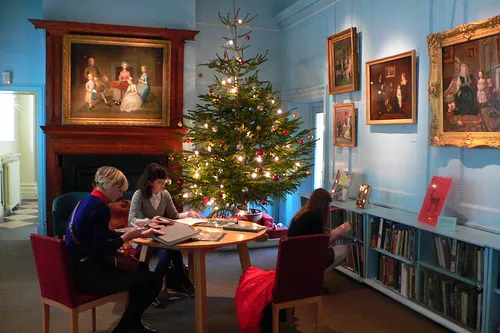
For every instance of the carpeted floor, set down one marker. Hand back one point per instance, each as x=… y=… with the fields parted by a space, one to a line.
x=350 y=307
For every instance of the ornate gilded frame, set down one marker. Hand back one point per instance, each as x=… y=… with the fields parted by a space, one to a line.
x=436 y=42
x=348 y=108
x=390 y=61
x=351 y=34
x=134 y=118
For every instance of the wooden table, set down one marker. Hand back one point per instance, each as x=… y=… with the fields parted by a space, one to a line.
x=196 y=257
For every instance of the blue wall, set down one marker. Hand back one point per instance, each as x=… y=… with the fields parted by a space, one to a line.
x=395 y=159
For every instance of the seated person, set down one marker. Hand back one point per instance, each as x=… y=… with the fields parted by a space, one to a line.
x=90 y=242
x=151 y=202
x=313 y=218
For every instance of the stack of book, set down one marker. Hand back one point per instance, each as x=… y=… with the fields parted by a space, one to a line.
x=451 y=297
x=398 y=275
x=459 y=257
x=355 y=257
x=392 y=237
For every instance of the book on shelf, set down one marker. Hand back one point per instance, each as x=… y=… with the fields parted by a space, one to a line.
x=398 y=275
x=341 y=185
x=394 y=238
x=434 y=199
x=176 y=233
x=363 y=196
x=355 y=256
x=459 y=257
x=453 y=298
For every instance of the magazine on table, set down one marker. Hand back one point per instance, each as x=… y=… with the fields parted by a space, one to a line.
x=212 y=236
x=176 y=233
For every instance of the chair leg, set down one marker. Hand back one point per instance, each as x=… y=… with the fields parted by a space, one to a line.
x=45 y=317
x=74 y=321
x=94 y=322
x=289 y=316
x=276 y=319
x=319 y=308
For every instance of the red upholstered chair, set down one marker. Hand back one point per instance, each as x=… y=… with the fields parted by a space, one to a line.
x=57 y=286
x=299 y=275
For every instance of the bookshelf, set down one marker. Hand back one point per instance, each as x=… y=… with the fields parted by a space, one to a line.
x=451 y=277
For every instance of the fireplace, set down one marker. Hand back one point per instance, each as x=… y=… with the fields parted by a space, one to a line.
x=78 y=170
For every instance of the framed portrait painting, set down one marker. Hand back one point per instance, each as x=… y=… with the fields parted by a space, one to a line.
x=344 y=118
x=342 y=50
x=391 y=85
x=115 y=81
x=464 y=85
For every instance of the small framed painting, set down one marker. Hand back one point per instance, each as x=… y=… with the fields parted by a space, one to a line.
x=391 y=85
x=342 y=50
x=344 y=132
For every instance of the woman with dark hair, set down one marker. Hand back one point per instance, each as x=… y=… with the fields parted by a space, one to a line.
x=314 y=218
x=90 y=242
x=150 y=203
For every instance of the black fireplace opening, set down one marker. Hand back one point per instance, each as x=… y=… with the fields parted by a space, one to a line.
x=78 y=171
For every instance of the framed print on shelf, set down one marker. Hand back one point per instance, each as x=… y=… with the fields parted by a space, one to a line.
x=391 y=90
x=342 y=50
x=464 y=91
x=115 y=81
x=344 y=133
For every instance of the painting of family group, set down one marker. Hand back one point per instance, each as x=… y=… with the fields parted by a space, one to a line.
x=117 y=80
x=471 y=81
x=391 y=89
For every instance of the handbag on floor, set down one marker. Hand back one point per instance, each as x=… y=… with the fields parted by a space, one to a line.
x=120 y=259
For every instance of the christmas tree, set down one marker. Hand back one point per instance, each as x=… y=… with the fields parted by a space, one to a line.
x=245 y=150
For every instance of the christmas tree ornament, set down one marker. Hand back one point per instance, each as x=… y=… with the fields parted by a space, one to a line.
x=263 y=202
x=244 y=190
x=301 y=141
x=260 y=152
x=309 y=137
x=258 y=128
x=189 y=140
x=273 y=128
x=205 y=200
x=223 y=144
x=215 y=156
x=285 y=132
x=179 y=124
x=247 y=37
x=169 y=181
x=295 y=115
x=171 y=158
x=260 y=169
x=217 y=101
x=276 y=177
x=211 y=91
x=215 y=128
x=180 y=182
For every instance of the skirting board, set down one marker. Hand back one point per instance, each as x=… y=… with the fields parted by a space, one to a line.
x=29 y=191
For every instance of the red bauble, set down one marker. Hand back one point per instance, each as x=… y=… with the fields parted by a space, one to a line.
x=247 y=37
x=211 y=91
x=276 y=177
x=205 y=200
x=242 y=63
x=285 y=132
x=189 y=140
x=215 y=156
x=217 y=101
x=301 y=141
x=221 y=195
x=180 y=182
x=260 y=152
x=263 y=202
x=170 y=158
x=260 y=169
x=223 y=144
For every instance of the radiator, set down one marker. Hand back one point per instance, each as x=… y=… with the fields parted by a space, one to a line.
x=12 y=184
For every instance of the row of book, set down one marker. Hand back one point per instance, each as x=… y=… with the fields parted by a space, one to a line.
x=393 y=237
x=398 y=276
x=453 y=298
x=355 y=257
x=339 y=216
x=459 y=257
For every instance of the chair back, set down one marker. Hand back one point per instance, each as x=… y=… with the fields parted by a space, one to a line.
x=62 y=207
x=54 y=269
x=300 y=267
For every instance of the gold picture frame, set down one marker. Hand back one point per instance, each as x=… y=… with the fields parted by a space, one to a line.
x=344 y=125
x=391 y=90
x=343 y=72
x=115 y=81
x=464 y=104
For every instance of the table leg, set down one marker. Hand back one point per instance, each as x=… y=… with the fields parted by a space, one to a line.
x=244 y=256
x=191 y=266
x=200 y=291
x=145 y=253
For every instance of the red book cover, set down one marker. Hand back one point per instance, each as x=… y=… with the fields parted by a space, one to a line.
x=434 y=199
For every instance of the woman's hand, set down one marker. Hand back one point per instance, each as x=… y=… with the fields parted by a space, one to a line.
x=151 y=233
x=132 y=233
x=193 y=214
x=157 y=220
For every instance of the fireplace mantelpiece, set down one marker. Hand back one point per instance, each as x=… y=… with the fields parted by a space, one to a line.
x=104 y=140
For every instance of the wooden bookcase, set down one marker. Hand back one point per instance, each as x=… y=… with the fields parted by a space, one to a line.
x=438 y=284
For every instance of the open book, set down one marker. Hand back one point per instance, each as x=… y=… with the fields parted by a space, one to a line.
x=176 y=233
x=188 y=220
